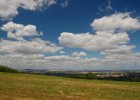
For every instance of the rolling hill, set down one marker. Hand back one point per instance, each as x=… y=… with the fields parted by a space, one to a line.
x=19 y=86
x=7 y=69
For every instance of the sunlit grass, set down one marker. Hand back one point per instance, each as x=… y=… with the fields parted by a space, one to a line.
x=39 y=87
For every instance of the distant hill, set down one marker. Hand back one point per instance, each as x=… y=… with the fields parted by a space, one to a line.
x=7 y=69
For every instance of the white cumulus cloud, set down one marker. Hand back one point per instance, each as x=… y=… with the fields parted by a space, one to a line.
x=99 y=42
x=19 y=31
x=35 y=46
x=121 y=21
x=9 y=8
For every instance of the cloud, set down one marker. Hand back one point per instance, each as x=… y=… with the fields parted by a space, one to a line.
x=130 y=61
x=65 y=3
x=100 y=9
x=35 y=46
x=100 y=42
x=19 y=52
x=111 y=39
x=120 y=21
x=59 y=58
x=26 y=54
x=109 y=7
x=62 y=52
x=123 y=49
x=23 y=56
x=113 y=61
x=105 y=7
x=19 y=31
x=79 y=54
x=9 y=8
x=18 y=44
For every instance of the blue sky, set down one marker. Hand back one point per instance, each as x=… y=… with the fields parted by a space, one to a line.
x=70 y=34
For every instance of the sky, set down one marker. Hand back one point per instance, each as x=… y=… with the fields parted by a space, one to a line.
x=70 y=34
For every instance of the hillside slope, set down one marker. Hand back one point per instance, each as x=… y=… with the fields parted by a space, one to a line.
x=17 y=86
x=7 y=69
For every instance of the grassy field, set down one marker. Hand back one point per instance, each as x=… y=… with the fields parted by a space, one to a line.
x=38 y=87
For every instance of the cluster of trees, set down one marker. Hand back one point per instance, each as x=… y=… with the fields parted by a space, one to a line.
x=78 y=76
x=7 y=69
x=84 y=76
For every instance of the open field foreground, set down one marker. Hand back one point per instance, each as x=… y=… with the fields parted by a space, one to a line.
x=39 y=87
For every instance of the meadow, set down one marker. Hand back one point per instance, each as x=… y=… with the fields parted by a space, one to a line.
x=19 y=86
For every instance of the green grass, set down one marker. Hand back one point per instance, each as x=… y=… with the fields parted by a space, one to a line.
x=17 y=86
